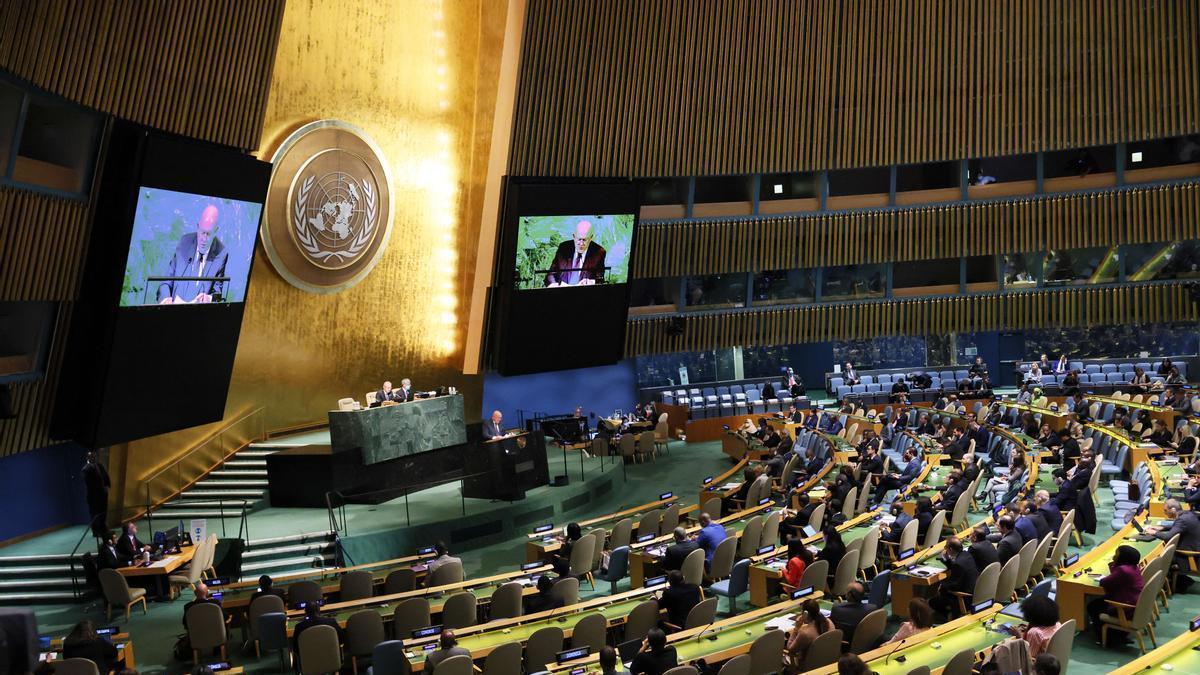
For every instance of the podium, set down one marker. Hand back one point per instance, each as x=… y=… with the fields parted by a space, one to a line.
x=507 y=468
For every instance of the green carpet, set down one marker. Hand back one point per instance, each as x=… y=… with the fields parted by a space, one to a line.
x=680 y=472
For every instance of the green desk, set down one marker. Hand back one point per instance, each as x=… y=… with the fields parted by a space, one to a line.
x=1080 y=581
x=1177 y=656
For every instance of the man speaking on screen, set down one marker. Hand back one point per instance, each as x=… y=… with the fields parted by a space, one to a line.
x=198 y=254
x=579 y=262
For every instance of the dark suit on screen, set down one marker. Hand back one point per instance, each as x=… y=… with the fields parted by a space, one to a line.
x=564 y=270
x=185 y=263
x=491 y=430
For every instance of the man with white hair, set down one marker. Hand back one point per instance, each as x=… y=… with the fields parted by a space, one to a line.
x=578 y=262
x=198 y=254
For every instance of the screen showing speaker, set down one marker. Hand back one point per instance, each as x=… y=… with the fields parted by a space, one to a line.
x=560 y=291
x=189 y=249
x=574 y=250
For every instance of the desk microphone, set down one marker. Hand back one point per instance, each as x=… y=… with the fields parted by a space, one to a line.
x=700 y=635
x=898 y=646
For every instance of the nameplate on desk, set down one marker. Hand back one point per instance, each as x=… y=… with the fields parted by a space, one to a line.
x=572 y=654
x=802 y=592
x=1195 y=624
x=108 y=630
x=655 y=581
x=666 y=495
x=1071 y=560
x=764 y=500
x=543 y=528
x=216 y=595
x=531 y=565
x=218 y=667
x=219 y=581
x=982 y=606
x=907 y=553
x=426 y=551
x=708 y=480
x=578 y=671
x=645 y=537
x=306 y=603
x=765 y=549
x=428 y=631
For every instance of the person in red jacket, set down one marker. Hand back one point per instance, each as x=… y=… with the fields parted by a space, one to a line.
x=799 y=558
x=1123 y=584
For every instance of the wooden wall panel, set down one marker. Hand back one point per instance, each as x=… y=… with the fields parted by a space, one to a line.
x=42 y=240
x=699 y=87
x=818 y=323
x=1126 y=216
x=200 y=68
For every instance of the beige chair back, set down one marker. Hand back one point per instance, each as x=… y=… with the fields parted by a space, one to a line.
x=345 y=404
x=961 y=663
x=641 y=620
x=722 y=560
x=908 y=536
x=868 y=632
x=766 y=653
x=628 y=445
x=817 y=517
x=958 y=517
x=364 y=630
x=400 y=581
x=356 y=585
x=581 y=555
x=646 y=442
x=599 y=535
x=848 y=505
x=648 y=524
x=824 y=651
x=600 y=446
x=1143 y=611
x=460 y=610
x=661 y=431
x=590 y=631
x=76 y=666
x=542 y=647
x=621 y=534
x=986 y=583
x=114 y=586
x=670 y=519
x=504 y=660
x=263 y=604
x=864 y=498
x=712 y=507
x=1060 y=644
x=682 y=670
x=304 y=591
x=846 y=570
x=738 y=665
x=447 y=573
x=1040 y=556
x=1027 y=554
x=759 y=489
x=408 y=616
x=506 y=601
x=770 y=530
x=370 y=398
x=815 y=575
x=205 y=625
x=693 y=567
x=455 y=665
x=704 y=613
x=869 y=551
x=566 y=589
x=1006 y=583
x=751 y=535
x=1059 y=550
x=934 y=533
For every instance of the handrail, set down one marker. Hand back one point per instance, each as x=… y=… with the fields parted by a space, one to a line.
x=407 y=490
x=204 y=443
x=175 y=467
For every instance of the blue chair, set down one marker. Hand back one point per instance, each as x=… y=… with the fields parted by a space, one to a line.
x=1091 y=368
x=874 y=387
x=388 y=659
x=866 y=379
x=842 y=391
x=736 y=389
x=836 y=383
x=1108 y=368
x=885 y=379
x=668 y=398
x=737 y=583
x=726 y=405
x=272 y=634
x=1118 y=378
x=960 y=375
x=877 y=593
x=618 y=567
x=1076 y=365
x=859 y=389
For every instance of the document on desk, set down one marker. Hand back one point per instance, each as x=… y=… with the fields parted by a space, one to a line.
x=730 y=486
x=784 y=622
x=925 y=571
x=162 y=563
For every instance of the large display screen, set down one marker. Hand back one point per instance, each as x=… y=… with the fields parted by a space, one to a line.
x=189 y=249
x=557 y=251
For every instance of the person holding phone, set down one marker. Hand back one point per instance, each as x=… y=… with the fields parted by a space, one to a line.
x=1041 y=616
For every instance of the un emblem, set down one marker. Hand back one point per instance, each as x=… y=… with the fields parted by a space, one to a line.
x=328 y=208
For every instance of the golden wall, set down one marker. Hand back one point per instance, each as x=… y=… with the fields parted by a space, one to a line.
x=419 y=77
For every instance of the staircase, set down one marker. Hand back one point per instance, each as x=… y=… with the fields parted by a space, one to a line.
x=36 y=579
x=294 y=553
x=241 y=477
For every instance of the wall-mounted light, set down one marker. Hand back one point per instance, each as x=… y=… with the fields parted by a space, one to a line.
x=778 y=188
x=1135 y=157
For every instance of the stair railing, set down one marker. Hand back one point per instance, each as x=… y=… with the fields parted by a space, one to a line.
x=172 y=479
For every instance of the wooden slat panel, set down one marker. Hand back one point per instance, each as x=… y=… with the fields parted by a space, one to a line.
x=1140 y=305
x=199 y=68
x=1127 y=216
x=738 y=86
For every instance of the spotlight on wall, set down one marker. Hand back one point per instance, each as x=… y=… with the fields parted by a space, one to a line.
x=1135 y=157
x=778 y=188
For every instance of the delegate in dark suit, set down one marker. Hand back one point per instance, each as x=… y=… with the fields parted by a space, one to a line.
x=110 y=557
x=395 y=395
x=1009 y=546
x=676 y=553
x=569 y=268
x=847 y=615
x=188 y=261
x=492 y=429
x=962 y=575
x=984 y=553
x=129 y=546
x=678 y=601
x=1187 y=526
